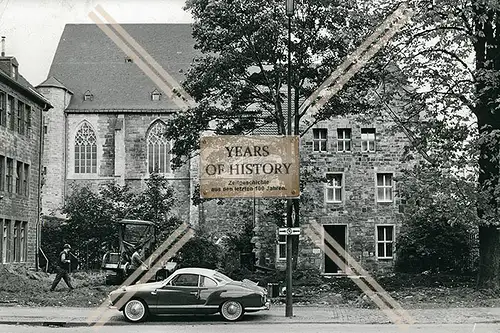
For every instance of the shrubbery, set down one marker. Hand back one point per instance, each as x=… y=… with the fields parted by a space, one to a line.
x=433 y=245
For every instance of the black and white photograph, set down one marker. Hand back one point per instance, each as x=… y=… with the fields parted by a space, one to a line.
x=249 y=165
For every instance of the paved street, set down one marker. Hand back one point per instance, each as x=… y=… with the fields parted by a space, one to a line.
x=251 y=328
x=78 y=317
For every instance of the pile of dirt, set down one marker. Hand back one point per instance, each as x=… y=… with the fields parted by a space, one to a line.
x=21 y=286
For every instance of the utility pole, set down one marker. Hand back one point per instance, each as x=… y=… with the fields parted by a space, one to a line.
x=290 y=8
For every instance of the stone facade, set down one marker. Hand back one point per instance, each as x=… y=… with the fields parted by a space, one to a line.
x=21 y=132
x=355 y=219
x=121 y=152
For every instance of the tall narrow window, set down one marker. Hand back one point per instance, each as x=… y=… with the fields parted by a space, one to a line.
x=368 y=139
x=333 y=187
x=20 y=117
x=27 y=119
x=343 y=139
x=15 y=239
x=319 y=139
x=23 y=242
x=384 y=187
x=26 y=179
x=10 y=174
x=11 y=113
x=385 y=241
x=5 y=241
x=158 y=149
x=3 y=109
x=2 y=173
x=19 y=177
x=85 y=150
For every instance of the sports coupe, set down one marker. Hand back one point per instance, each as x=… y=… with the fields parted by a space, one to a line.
x=190 y=291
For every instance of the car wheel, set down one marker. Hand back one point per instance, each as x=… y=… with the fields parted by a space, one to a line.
x=135 y=310
x=231 y=310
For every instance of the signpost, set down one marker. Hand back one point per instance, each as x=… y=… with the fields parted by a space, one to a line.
x=289 y=231
x=249 y=166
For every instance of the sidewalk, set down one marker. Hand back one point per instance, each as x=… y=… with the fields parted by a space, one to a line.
x=64 y=316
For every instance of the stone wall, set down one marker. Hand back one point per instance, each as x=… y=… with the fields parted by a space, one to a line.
x=26 y=149
x=359 y=210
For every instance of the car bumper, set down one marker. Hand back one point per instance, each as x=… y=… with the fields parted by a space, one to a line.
x=266 y=306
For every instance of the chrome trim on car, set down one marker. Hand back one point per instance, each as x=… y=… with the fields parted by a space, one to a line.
x=184 y=306
x=264 y=307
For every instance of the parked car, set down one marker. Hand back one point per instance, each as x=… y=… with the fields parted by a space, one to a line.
x=190 y=291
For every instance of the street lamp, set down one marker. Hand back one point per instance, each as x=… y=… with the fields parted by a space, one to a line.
x=290 y=9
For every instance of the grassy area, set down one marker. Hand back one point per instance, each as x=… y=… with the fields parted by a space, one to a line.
x=28 y=288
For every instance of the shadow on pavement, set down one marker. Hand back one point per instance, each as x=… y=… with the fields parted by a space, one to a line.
x=202 y=319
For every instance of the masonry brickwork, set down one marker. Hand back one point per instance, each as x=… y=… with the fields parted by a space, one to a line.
x=359 y=211
x=121 y=154
x=20 y=181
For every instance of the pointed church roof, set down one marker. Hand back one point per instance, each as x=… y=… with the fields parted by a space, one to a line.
x=53 y=82
x=87 y=60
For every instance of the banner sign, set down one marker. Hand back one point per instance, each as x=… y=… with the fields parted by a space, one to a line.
x=234 y=166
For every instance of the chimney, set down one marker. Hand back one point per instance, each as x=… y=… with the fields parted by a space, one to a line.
x=3 y=46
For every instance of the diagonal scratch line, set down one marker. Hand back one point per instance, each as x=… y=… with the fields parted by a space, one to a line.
x=168 y=79
x=353 y=57
x=394 y=316
x=106 y=316
x=140 y=63
x=355 y=61
x=93 y=317
x=361 y=271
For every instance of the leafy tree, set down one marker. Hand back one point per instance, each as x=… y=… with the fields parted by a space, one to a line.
x=240 y=81
x=90 y=228
x=450 y=51
x=155 y=204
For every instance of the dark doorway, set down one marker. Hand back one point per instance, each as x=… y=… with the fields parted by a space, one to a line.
x=337 y=232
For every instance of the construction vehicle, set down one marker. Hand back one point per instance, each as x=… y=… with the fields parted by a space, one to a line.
x=134 y=235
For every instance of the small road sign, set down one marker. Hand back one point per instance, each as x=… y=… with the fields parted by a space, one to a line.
x=289 y=231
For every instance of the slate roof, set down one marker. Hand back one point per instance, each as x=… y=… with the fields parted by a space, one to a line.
x=87 y=59
x=53 y=82
x=22 y=85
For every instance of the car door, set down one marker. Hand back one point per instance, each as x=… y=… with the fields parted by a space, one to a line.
x=180 y=294
x=207 y=287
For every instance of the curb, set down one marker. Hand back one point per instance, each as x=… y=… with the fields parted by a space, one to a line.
x=116 y=323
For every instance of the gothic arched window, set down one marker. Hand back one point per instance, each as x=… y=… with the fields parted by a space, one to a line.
x=158 y=149
x=85 y=150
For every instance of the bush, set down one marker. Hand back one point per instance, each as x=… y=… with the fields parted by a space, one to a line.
x=200 y=252
x=433 y=245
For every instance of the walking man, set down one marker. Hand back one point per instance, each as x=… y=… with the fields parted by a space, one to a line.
x=63 y=268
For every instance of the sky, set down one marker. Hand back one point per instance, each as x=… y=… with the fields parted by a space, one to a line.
x=33 y=27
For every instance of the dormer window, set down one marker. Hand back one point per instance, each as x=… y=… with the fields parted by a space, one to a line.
x=88 y=96
x=14 y=72
x=155 y=95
